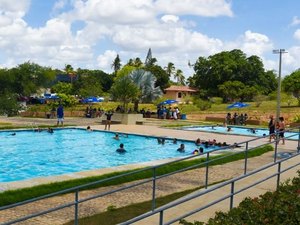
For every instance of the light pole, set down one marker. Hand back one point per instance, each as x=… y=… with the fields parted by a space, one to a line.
x=280 y=52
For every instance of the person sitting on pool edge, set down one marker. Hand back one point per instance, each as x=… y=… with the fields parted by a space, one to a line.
x=181 y=148
x=121 y=149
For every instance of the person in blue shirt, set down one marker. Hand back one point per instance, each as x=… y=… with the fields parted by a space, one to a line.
x=60 y=115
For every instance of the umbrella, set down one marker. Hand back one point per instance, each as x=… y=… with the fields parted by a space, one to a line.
x=168 y=102
x=92 y=100
x=237 y=105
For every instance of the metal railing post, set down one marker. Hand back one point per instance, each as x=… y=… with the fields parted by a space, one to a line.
x=246 y=158
x=206 y=173
x=278 y=175
x=161 y=217
x=153 y=188
x=298 y=148
x=276 y=147
x=232 y=194
x=76 y=208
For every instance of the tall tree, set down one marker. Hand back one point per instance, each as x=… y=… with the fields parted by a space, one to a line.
x=116 y=65
x=145 y=81
x=70 y=72
x=179 y=77
x=291 y=84
x=29 y=77
x=148 y=57
x=231 y=66
x=124 y=90
x=170 y=68
x=162 y=78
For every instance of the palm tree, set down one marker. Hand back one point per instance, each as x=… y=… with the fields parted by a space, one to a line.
x=70 y=72
x=170 y=69
x=135 y=62
x=116 y=65
x=145 y=81
x=179 y=77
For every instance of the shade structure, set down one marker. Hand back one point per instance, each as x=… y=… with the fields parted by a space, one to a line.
x=92 y=99
x=168 y=102
x=237 y=105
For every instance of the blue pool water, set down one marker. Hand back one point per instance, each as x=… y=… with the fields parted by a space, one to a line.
x=30 y=154
x=259 y=132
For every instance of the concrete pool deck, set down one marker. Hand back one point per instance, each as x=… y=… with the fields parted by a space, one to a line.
x=176 y=183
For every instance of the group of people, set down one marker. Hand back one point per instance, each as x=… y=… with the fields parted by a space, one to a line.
x=210 y=143
x=168 y=113
x=49 y=130
x=195 y=152
x=236 y=119
x=276 y=127
x=91 y=112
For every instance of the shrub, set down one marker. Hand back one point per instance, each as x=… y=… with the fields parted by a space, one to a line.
x=202 y=104
x=279 y=207
x=216 y=100
x=296 y=119
x=258 y=99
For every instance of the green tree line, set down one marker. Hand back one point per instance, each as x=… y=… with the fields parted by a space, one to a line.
x=230 y=75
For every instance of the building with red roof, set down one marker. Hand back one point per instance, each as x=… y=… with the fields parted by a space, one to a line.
x=178 y=93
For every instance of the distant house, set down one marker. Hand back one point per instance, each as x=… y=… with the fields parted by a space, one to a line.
x=178 y=93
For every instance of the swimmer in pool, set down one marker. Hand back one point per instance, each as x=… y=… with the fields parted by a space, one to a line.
x=121 y=149
x=181 y=148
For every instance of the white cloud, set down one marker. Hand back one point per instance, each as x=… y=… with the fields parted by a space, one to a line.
x=105 y=60
x=170 y=19
x=165 y=38
x=86 y=34
x=210 y=8
x=252 y=43
x=291 y=58
x=295 y=22
x=297 y=34
x=113 y=11
x=13 y=9
x=58 y=5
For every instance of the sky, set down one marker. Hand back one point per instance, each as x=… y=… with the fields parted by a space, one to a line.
x=88 y=34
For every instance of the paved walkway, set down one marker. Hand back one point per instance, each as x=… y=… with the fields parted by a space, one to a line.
x=175 y=183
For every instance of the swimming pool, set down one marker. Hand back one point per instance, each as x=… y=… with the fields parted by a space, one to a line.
x=29 y=154
x=259 y=132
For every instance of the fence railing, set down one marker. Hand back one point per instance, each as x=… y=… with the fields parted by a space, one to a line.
x=230 y=195
x=248 y=146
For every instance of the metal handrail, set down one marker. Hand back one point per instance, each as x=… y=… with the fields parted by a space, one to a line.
x=154 y=178
x=215 y=187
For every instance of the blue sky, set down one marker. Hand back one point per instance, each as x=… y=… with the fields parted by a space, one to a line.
x=90 y=33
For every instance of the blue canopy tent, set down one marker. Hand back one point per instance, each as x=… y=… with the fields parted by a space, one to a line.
x=238 y=105
x=92 y=99
x=168 y=102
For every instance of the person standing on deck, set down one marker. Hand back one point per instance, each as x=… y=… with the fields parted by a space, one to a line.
x=281 y=129
x=108 y=115
x=60 y=115
x=271 y=128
